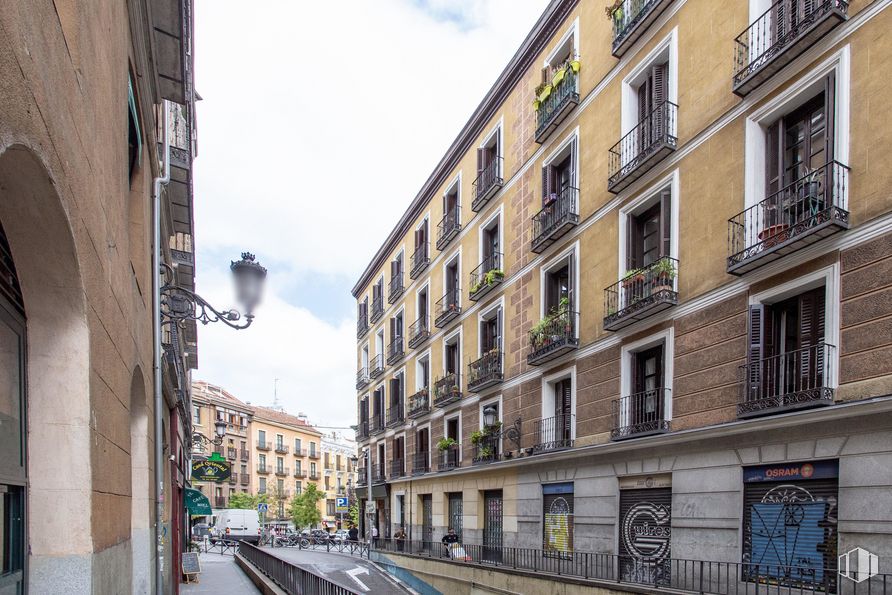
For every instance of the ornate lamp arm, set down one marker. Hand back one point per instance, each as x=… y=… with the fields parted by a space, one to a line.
x=182 y=304
x=512 y=433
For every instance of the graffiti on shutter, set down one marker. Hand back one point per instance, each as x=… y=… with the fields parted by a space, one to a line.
x=557 y=504
x=645 y=534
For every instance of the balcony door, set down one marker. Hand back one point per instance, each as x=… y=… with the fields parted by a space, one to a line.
x=491 y=333
x=652 y=92
x=452 y=357
x=649 y=233
x=421 y=239
x=450 y=208
x=452 y=283
x=491 y=244
x=422 y=304
x=559 y=175
x=379 y=405
x=559 y=287
x=646 y=402
x=563 y=411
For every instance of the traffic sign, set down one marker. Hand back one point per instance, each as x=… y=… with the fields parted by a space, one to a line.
x=370 y=508
x=340 y=505
x=262 y=507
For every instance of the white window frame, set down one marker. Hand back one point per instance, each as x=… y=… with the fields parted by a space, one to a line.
x=571 y=33
x=548 y=395
x=498 y=219
x=546 y=268
x=426 y=286
x=482 y=404
x=420 y=358
x=496 y=134
x=486 y=314
x=454 y=184
x=446 y=419
x=365 y=356
x=559 y=151
x=644 y=201
x=667 y=339
x=447 y=339
x=829 y=278
x=799 y=92
x=454 y=257
x=401 y=311
x=380 y=333
x=666 y=49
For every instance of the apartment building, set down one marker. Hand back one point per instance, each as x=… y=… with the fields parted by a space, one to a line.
x=212 y=404
x=287 y=456
x=339 y=474
x=646 y=293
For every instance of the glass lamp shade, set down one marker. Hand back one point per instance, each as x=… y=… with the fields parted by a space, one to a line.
x=489 y=416
x=220 y=427
x=249 y=277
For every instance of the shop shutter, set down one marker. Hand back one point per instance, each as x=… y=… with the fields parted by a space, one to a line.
x=645 y=519
x=790 y=530
x=557 y=513
x=456 y=513
x=427 y=518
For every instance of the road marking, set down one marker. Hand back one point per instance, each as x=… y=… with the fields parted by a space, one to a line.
x=358 y=570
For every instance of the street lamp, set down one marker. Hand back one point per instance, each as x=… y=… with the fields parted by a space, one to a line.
x=490 y=419
x=182 y=304
x=217 y=440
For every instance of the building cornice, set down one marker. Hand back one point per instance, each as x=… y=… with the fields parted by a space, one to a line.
x=555 y=14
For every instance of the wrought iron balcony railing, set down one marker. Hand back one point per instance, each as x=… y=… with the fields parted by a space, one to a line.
x=361 y=476
x=421 y=258
x=447 y=390
x=362 y=431
x=300 y=452
x=631 y=19
x=486 y=371
x=559 y=215
x=220 y=501
x=264 y=469
x=641 y=414
x=231 y=453
x=557 y=106
x=314 y=475
x=641 y=293
x=313 y=454
x=486 y=450
x=421 y=463
x=803 y=212
x=377 y=309
x=419 y=332
x=652 y=139
x=376 y=366
x=362 y=326
x=397 y=468
x=261 y=445
x=396 y=415
x=244 y=454
x=554 y=433
x=281 y=448
x=487 y=184
x=448 y=307
x=794 y=380
x=450 y=458
x=395 y=350
x=300 y=473
x=244 y=479
x=379 y=475
x=362 y=377
x=554 y=336
x=282 y=471
x=377 y=424
x=396 y=288
x=233 y=478
x=449 y=227
x=779 y=36
x=419 y=403
x=486 y=276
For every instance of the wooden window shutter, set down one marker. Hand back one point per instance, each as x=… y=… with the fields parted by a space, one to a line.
x=774 y=155
x=759 y=338
x=660 y=82
x=571 y=290
x=665 y=220
x=481 y=161
x=573 y=157
x=424 y=232
x=633 y=243
x=547 y=181
x=498 y=338
x=545 y=74
x=830 y=120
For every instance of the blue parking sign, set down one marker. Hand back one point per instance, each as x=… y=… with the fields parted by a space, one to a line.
x=340 y=505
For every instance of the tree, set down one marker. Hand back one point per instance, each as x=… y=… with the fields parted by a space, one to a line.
x=304 y=508
x=354 y=514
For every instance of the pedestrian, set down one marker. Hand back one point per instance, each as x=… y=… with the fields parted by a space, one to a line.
x=400 y=539
x=353 y=533
x=449 y=540
x=374 y=536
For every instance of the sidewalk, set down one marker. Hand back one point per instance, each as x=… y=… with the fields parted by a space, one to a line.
x=220 y=575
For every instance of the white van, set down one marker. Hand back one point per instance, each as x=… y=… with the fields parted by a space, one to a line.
x=237 y=524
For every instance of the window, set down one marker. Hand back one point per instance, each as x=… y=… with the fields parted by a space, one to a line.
x=379 y=342
x=134 y=136
x=421 y=245
x=558 y=426
x=649 y=86
x=559 y=174
x=196 y=414
x=297 y=445
x=312 y=449
x=423 y=305
x=261 y=437
x=280 y=464
x=452 y=354
x=327 y=483
x=489 y=170
x=297 y=488
x=559 y=283
x=280 y=440
x=262 y=460
x=313 y=469
x=362 y=314
x=244 y=469
x=422 y=372
x=452 y=282
x=396 y=328
x=330 y=507
x=645 y=406
x=451 y=208
x=396 y=271
x=456 y=514
x=280 y=486
x=649 y=230
x=262 y=487
x=297 y=466
x=491 y=331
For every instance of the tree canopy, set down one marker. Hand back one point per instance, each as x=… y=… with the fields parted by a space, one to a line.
x=304 y=508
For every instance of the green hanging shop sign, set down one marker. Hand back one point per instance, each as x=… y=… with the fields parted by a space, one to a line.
x=216 y=468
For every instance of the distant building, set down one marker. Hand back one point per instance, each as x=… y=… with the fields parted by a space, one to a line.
x=339 y=474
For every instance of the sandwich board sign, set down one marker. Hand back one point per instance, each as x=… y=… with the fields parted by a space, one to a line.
x=191 y=566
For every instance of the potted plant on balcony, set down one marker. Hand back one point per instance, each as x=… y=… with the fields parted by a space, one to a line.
x=664 y=273
x=445 y=444
x=632 y=282
x=493 y=275
x=477 y=437
x=615 y=13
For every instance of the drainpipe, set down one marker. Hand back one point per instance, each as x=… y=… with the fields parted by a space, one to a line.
x=156 y=344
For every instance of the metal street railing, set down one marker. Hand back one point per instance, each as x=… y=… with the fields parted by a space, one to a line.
x=294 y=579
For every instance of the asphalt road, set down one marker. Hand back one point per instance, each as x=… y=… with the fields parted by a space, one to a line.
x=349 y=571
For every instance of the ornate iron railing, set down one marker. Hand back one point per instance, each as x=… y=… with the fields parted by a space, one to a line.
x=361 y=475
x=449 y=227
x=420 y=260
x=421 y=463
x=396 y=288
x=419 y=332
x=419 y=403
x=447 y=389
x=486 y=450
x=450 y=458
x=396 y=414
x=562 y=99
x=649 y=141
x=395 y=350
x=641 y=414
x=487 y=184
x=379 y=473
x=281 y=448
x=377 y=309
x=815 y=203
x=448 y=307
x=557 y=217
x=263 y=445
x=397 y=468
x=486 y=276
x=282 y=471
x=376 y=424
x=244 y=479
x=630 y=18
x=486 y=371
x=640 y=293
x=554 y=433
x=362 y=326
x=553 y=336
x=376 y=366
x=363 y=430
x=793 y=380
x=264 y=469
x=362 y=377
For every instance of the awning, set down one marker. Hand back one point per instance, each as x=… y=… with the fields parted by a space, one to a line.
x=197 y=503
x=379 y=492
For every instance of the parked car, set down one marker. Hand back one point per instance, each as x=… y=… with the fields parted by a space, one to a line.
x=340 y=535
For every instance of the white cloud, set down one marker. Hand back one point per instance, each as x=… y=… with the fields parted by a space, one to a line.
x=319 y=124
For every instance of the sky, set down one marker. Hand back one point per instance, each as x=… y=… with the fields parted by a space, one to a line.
x=318 y=124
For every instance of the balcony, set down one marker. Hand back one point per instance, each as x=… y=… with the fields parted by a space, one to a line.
x=419 y=332
x=231 y=453
x=244 y=479
x=314 y=476
x=233 y=478
x=448 y=227
x=651 y=140
x=300 y=473
x=282 y=471
x=244 y=455
x=640 y=414
x=487 y=184
x=557 y=105
x=362 y=326
x=553 y=336
x=377 y=424
x=396 y=415
x=448 y=307
x=397 y=468
x=485 y=372
x=261 y=445
x=630 y=19
x=264 y=469
x=376 y=366
x=420 y=260
x=559 y=215
x=421 y=463
x=450 y=458
x=804 y=212
x=377 y=309
x=554 y=433
x=361 y=476
x=419 y=404
x=793 y=380
x=641 y=293
x=447 y=390
x=300 y=452
x=219 y=501
x=395 y=350
x=779 y=36
x=314 y=454
x=362 y=430
x=486 y=450
x=378 y=473
x=282 y=448
x=362 y=378
x=396 y=288
x=486 y=277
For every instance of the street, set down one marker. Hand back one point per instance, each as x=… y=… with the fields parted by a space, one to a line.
x=350 y=571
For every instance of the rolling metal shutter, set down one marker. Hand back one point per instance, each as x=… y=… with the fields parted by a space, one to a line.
x=557 y=513
x=645 y=519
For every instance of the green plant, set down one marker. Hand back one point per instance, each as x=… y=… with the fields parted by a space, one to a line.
x=493 y=275
x=445 y=443
x=615 y=10
x=632 y=273
x=477 y=437
x=665 y=268
x=486 y=452
x=304 y=509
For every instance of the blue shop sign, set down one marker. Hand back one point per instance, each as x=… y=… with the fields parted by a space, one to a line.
x=792 y=471
x=557 y=488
